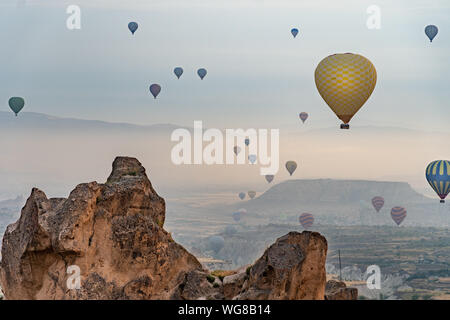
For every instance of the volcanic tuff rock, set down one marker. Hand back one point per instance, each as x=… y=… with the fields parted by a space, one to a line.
x=114 y=233
x=337 y=290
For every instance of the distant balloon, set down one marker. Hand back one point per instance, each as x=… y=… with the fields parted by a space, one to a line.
x=242 y=211
x=133 y=26
x=216 y=243
x=303 y=116
x=438 y=176
x=178 y=72
x=247 y=142
x=398 y=214
x=236 y=150
x=294 y=32
x=431 y=31
x=252 y=158
x=251 y=194
x=230 y=230
x=155 y=89
x=291 y=166
x=269 y=178
x=306 y=220
x=202 y=73
x=242 y=195
x=378 y=203
x=236 y=216
x=16 y=104
x=345 y=82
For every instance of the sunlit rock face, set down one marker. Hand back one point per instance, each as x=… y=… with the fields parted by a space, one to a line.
x=113 y=234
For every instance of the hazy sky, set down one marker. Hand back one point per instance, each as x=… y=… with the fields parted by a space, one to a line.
x=258 y=75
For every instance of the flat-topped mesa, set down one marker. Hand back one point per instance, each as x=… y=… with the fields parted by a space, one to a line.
x=113 y=234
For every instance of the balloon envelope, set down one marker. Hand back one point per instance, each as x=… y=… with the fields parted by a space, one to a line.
x=269 y=178
x=345 y=82
x=216 y=243
x=247 y=142
x=431 y=31
x=202 y=73
x=178 y=72
x=133 y=26
x=306 y=220
x=252 y=158
x=291 y=166
x=398 y=214
x=294 y=32
x=438 y=176
x=236 y=150
x=16 y=104
x=251 y=194
x=155 y=89
x=378 y=203
x=303 y=116
x=242 y=195
x=236 y=216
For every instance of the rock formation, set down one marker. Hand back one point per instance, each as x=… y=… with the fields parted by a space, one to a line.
x=113 y=234
x=337 y=290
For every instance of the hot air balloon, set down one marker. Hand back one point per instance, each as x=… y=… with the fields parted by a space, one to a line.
x=155 y=89
x=438 y=176
x=294 y=32
x=251 y=194
x=303 y=116
x=202 y=73
x=252 y=158
x=378 y=203
x=291 y=166
x=230 y=230
x=269 y=178
x=133 y=26
x=236 y=150
x=306 y=220
x=216 y=243
x=247 y=141
x=398 y=214
x=236 y=216
x=16 y=104
x=178 y=72
x=345 y=82
x=431 y=31
x=242 y=211
x=242 y=195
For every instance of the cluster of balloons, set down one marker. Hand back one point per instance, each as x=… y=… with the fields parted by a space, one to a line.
x=155 y=88
x=398 y=214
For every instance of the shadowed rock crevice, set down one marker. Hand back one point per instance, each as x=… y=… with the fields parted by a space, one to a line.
x=114 y=233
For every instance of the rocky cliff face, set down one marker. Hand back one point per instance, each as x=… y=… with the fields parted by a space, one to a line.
x=113 y=234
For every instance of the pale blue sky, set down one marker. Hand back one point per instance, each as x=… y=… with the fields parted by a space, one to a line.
x=259 y=76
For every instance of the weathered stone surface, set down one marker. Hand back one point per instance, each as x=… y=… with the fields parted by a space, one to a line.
x=291 y=269
x=337 y=290
x=114 y=233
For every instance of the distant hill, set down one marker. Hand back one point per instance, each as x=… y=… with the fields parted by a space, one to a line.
x=323 y=191
x=345 y=202
x=32 y=120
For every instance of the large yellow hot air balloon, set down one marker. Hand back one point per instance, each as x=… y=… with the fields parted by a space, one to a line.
x=345 y=81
